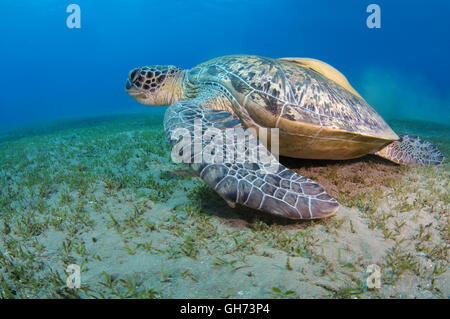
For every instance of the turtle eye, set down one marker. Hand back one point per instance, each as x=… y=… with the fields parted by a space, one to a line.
x=133 y=75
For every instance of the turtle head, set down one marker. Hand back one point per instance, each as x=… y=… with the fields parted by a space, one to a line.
x=155 y=85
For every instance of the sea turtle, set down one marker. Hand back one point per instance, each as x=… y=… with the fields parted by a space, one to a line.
x=318 y=113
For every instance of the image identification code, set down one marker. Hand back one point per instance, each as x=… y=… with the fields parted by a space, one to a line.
x=229 y=308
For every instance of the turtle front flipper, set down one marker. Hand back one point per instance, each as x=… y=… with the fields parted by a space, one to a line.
x=263 y=185
x=412 y=150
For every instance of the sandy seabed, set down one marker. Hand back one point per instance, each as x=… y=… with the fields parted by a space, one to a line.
x=102 y=193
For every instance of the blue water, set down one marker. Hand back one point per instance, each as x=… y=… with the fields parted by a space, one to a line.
x=50 y=72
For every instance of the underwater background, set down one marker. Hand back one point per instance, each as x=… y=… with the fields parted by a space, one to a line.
x=50 y=71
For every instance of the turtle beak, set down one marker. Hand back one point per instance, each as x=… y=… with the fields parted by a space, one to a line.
x=133 y=91
x=131 y=88
x=131 y=78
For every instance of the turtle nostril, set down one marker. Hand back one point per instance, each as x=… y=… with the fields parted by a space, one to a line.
x=128 y=85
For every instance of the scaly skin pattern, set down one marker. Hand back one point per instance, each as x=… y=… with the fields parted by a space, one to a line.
x=277 y=190
x=412 y=150
x=271 y=91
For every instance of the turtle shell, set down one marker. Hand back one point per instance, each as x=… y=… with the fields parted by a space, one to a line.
x=318 y=113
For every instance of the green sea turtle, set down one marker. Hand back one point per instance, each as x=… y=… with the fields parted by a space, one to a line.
x=318 y=114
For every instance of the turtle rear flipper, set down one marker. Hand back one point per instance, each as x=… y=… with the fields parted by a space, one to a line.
x=412 y=150
x=267 y=186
